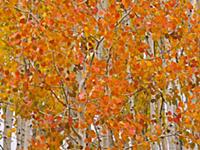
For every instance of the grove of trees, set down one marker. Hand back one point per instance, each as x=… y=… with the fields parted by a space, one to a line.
x=100 y=74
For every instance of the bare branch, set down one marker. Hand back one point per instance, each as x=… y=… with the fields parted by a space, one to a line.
x=123 y=17
x=29 y=12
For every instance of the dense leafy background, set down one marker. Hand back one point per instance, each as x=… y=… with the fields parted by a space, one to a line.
x=102 y=73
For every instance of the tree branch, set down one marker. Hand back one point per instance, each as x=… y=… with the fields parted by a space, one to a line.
x=57 y=98
x=123 y=17
x=98 y=137
x=29 y=12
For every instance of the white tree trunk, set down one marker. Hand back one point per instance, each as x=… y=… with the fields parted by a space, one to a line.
x=7 y=128
x=19 y=133
x=23 y=133
x=154 y=146
x=27 y=133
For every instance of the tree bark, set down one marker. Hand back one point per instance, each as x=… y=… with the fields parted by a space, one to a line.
x=7 y=128
x=19 y=133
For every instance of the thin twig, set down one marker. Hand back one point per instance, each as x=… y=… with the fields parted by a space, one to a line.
x=123 y=17
x=73 y=139
x=133 y=93
x=1 y=147
x=62 y=84
x=29 y=12
x=57 y=98
x=168 y=135
x=80 y=138
x=84 y=1
x=98 y=137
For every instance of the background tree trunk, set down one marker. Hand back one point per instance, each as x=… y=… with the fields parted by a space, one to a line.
x=19 y=133
x=7 y=129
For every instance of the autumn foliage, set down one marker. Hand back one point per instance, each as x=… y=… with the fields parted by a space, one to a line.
x=102 y=73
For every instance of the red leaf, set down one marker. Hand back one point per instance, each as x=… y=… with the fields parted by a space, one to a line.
x=50 y=118
x=169 y=113
x=170 y=119
x=81 y=96
x=176 y=120
x=132 y=131
x=95 y=10
x=70 y=121
x=181 y=104
x=189 y=6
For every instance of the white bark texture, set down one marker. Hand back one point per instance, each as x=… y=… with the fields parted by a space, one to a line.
x=23 y=133
x=19 y=133
x=7 y=129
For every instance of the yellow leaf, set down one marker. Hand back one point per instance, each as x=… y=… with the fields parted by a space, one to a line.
x=13 y=130
x=149 y=63
x=11 y=108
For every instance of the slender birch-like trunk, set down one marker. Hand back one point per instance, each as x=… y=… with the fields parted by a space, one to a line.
x=7 y=128
x=27 y=133
x=154 y=146
x=19 y=133
x=107 y=139
x=81 y=82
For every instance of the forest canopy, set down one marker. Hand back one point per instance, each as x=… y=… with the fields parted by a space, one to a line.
x=100 y=74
